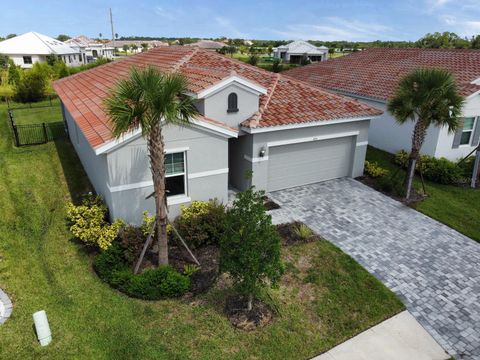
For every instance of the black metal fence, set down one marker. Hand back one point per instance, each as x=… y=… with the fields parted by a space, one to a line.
x=34 y=134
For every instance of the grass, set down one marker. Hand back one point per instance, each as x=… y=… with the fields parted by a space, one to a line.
x=454 y=206
x=39 y=112
x=325 y=297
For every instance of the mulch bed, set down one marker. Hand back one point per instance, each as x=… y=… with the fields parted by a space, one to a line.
x=270 y=204
x=178 y=257
x=241 y=318
x=289 y=237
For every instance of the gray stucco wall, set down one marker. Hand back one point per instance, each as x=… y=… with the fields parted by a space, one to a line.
x=215 y=106
x=388 y=135
x=94 y=165
x=130 y=179
x=259 y=165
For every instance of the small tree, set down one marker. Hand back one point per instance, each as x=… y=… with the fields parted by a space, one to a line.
x=253 y=60
x=250 y=247
x=125 y=48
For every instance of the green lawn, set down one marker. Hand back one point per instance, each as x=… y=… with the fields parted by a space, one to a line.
x=454 y=206
x=325 y=297
x=39 y=112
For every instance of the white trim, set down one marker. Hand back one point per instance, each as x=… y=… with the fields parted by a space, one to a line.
x=473 y=95
x=304 y=125
x=207 y=173
x=312 y=138
x=131 y=186
x=178 y=199
x=214 y=128
x=106 y=147
x=255 y=159
x=227 y=81
x=362 y=143
x=177 y=150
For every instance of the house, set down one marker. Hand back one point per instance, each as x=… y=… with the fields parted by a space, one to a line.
x=136 y=46
x=90 y=49
x=372 y=75
x=285 y=131
x=208 y=44
x=298 y=51
x=32 y=47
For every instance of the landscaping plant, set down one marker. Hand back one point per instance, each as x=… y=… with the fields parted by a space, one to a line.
x=250 y=246
x=374 y=170
x=426 y=97
x=303 y=231
x=147 y=100
x=89 y=223
x=202 y=223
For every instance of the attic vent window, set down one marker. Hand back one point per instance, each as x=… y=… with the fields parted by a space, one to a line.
x=232 y=103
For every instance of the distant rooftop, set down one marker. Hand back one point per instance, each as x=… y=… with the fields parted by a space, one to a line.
x=207 y=44
x=303 y=47
x=33 y=43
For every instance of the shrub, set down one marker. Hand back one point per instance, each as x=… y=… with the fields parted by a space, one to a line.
x=152 y=284
x=88 y=222
x=374 y=170
x=131 y=239
x=391 y=185
x=250 y=246
x=303 y=231
x=442 y=170
x=202 y=223
x=253 y=60
x=32 y=87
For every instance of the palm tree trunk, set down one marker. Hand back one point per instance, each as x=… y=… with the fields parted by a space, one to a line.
x=157 y=164
x=418 y=137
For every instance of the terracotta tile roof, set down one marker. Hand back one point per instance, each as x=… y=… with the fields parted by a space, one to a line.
x=287 y=100
x=376 y=72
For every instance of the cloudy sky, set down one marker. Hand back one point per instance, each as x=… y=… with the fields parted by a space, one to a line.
x=355 y=20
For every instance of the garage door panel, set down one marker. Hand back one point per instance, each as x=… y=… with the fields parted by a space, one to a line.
x=309 y=162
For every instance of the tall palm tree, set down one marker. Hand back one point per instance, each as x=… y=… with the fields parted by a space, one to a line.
x=426 y=96
x=148 y=100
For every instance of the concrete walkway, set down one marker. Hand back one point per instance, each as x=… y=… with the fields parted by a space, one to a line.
x=398 y=338
x=433 y=269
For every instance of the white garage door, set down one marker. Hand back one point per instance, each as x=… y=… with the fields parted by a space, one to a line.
x=309 y=162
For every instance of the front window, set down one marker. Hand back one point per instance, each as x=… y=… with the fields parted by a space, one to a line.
x=175 y=173
x=467 y=131
x=27 y=59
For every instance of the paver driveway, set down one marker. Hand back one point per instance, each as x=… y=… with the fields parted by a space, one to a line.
x=434 y=269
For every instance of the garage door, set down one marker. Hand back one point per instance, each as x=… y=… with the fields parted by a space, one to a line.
x=309 y=162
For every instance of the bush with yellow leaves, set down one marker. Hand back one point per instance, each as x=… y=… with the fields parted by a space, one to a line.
x=88 y=222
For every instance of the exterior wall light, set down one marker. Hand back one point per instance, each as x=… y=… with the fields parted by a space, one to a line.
x=262 y=152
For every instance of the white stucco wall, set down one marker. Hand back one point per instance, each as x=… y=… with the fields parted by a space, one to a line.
x=215 y=106
x=18 y=59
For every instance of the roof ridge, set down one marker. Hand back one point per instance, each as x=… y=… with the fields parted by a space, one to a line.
x=185 y=59
x=43 y=42
x=258 y=115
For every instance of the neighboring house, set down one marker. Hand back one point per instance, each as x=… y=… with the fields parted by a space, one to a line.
x=119 y=44
x=90 y=49
x=208 y=44
x=298 y=51
x=32 y=47
x=372 y=76
x=287 y=132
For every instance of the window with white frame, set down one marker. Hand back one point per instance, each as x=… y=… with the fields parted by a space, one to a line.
x=468 y=126
x=27 y=59
x=175 y=174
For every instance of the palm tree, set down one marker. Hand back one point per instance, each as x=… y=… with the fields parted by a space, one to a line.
x=426 y=97
x=148 y=100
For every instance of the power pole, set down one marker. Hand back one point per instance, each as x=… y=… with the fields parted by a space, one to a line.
x=113 y=32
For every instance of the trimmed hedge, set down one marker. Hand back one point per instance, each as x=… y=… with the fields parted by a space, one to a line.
x=152 y=284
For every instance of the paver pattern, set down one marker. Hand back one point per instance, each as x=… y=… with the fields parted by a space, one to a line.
x=434 y=269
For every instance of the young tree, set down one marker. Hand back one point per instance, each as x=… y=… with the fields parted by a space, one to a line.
x=149 y=100
x=253 y=60
x=144 y=46
x=250 y=246
x=134 y=48
x=426 y=97
x=125 y=48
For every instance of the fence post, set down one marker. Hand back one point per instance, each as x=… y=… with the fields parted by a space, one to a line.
x=45 y=132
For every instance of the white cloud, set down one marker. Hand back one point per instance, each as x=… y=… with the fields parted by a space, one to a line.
x=336 y=28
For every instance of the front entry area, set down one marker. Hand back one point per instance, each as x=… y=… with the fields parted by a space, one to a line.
x=309 y=162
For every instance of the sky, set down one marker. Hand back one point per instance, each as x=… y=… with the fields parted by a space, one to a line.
x=327 y=20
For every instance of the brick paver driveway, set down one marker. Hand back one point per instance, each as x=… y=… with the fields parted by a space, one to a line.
x=434 y=269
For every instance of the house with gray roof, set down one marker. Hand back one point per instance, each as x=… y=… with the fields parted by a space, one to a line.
x=297 y=51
